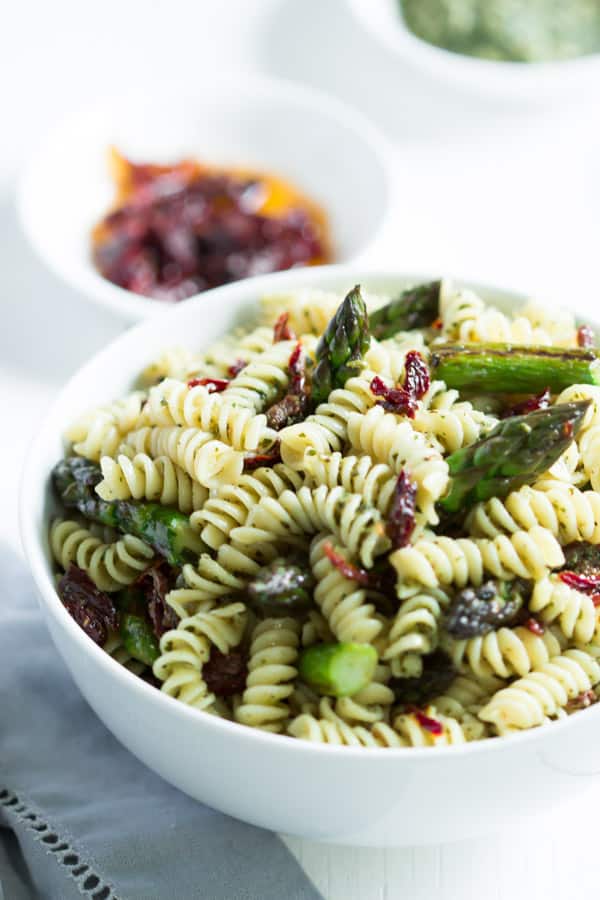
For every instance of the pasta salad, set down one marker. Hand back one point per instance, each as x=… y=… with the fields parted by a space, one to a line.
x=366 y=521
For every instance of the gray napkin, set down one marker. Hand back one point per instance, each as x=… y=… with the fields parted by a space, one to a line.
x=80 y=816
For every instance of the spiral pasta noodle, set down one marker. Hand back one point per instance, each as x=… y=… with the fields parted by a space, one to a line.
x=208 y=461
x=503 y=653
x=176 y=403
x=307 y=511
x=184 y=651
x=574 y=612
x=271 y=671
x=440 y=561
x=343 y=604
x=144 y=478
x=230 y=505
x=110 y=566
x=372 y=703
x=376 y=482
x=543 y=693
x=415 y=632
x=385 y=439
x=100 y=432
x=568 y=513
x=262 y=380
x=327 y=429
x=229 y=571
x=455 y=426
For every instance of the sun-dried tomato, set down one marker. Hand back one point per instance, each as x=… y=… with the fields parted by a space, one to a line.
x=225 y=674
x=294 y=407
x=416 y=375
x=236 y=367
x=347 y=569
x=92 y=609
x=395 y=400
x=182 y=229
x=431 y=725
x=216 y=384
x=263 y=459
x=290 y=409
x=587 y=584
x=401 y=517
x=282 y=330
x=585 y=336
x=155 y=582
x=534 y=626
x=539 y=401
x=582 y=701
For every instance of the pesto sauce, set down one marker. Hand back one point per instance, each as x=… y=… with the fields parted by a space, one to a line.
x=512 y=30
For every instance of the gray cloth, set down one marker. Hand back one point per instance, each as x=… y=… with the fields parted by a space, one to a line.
x=80 y=816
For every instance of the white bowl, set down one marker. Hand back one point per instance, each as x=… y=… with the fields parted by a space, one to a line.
x=503 y=80
x=341 y=794
x=327 y=149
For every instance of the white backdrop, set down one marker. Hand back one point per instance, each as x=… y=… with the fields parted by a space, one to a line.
x=498 y=193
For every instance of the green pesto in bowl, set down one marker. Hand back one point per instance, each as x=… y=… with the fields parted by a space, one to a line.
x=507 y=30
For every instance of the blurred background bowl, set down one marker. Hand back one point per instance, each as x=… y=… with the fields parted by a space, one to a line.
x=509 y=81
x=329 y=151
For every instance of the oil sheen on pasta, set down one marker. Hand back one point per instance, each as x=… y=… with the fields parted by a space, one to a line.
x=513 y=30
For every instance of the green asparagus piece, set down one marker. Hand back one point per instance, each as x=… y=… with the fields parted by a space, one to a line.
x=282 y=586
x=415 y=308
x=338 y=670
x=166 y=530
x=504 y=368
x=342 y=346
x=138 y=638
x=514 y=453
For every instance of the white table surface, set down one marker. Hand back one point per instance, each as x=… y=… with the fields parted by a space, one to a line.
x=493 y=193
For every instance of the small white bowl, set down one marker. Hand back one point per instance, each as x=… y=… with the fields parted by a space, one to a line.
x=322 y=146
x=341 y=794
x=503 y=80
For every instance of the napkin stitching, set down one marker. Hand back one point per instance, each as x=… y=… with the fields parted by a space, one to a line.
x=84 y=873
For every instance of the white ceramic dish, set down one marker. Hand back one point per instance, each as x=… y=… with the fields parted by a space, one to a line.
x=341 y=794
x=503 y=80
x=330 y=151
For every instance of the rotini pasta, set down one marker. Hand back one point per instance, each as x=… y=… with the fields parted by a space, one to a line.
x=208 y=461
x=503 y=653
x=111 y=566
x=543 y=693
x=415 y=632
x=436 y=561
x=144 y=478
x=271 y=672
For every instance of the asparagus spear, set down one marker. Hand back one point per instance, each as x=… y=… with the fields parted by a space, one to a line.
x=503 y=368
x=340 y=350
x=514 y=453
x=414 y=308
x=138 y=638
x=166 y=530
x=338 y=670
x=281 y=586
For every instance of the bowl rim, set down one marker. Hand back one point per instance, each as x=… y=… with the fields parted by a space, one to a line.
x=324 y=277
x=497 y=75
x=93 y=286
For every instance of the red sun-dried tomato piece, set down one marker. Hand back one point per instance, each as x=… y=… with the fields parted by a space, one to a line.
x=534 y=625
x=431 y=725
x=155 y=582
x=538 y=401
x=401 y=517
x=92 y=609
x=416 y=375
x=587 y=584
x=395 y=400
x=263 y=459
x=217 y=384
x=347 y=569
x=585 y=336
x=236 y=367
x=282 y=330
x=225 y=674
